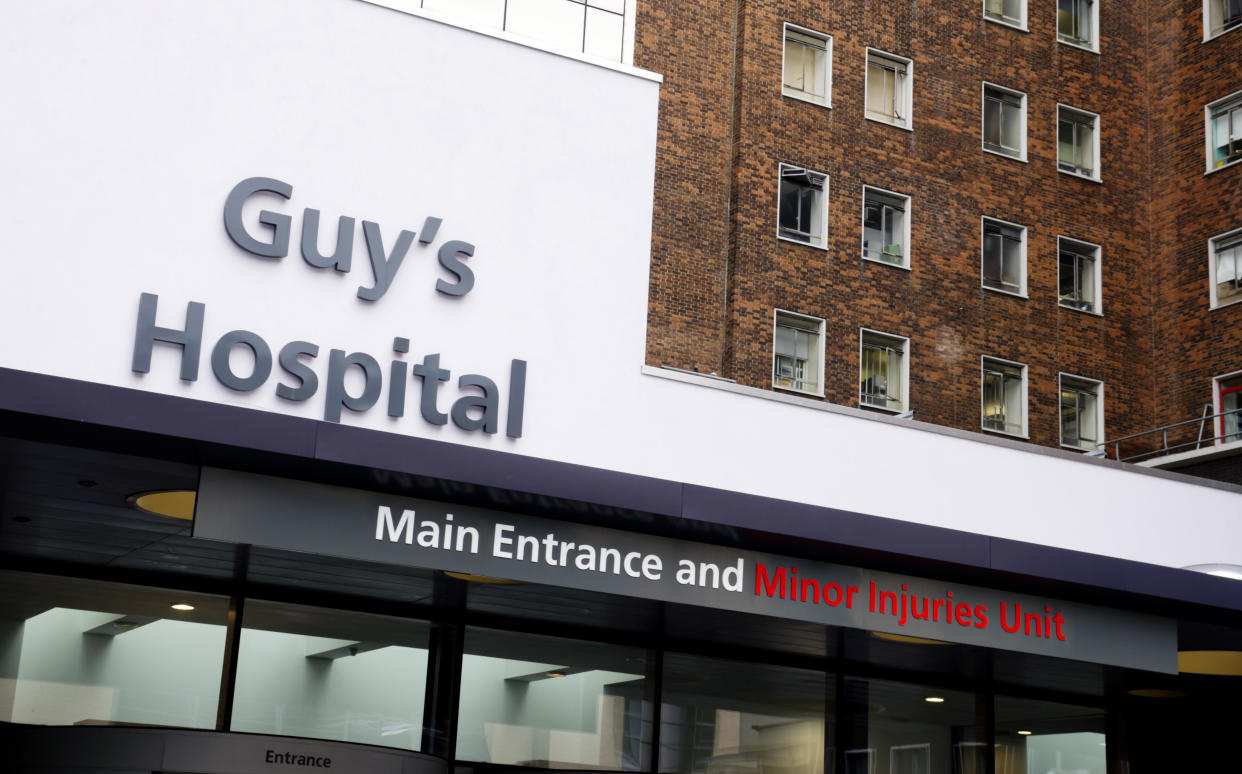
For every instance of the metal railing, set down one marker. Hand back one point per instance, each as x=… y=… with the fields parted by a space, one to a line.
x=1206 y=421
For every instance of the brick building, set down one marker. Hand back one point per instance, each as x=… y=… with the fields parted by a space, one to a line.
x=1030 y=281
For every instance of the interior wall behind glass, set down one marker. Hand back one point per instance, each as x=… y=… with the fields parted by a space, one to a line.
x=903 y=728
x=76 y=652
x=1038 y=737
x=550 y=702
x=731 y=717
x=326 y=674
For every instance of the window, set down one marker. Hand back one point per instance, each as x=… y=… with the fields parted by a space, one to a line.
x=886 y=227
x=1082 y=412
x=543 y=702
x=1004 y=121
x=889 y=88
x=1220 y=16
x=1011 y=12
x=1078 y=142
x=1228 y=397
x=808 y=66
x=1004 y=396
x=798 y=350
x=1004 y=256
x=1076 y=22
x=1225 y=260
x=1078 y=274
x=1224 y=131
x=883 y=379
x=803 y=206
x=601 y=28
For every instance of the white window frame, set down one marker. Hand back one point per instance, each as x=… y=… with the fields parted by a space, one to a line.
x=1218 y=424
x=799 y=94
x=814 y=325
x=984 y=361
x=821 y=241
x=1017 y=24
x=906 y=122
x=1095 y=142
x=1093 y=44
x=1208 y=34
x=902 y=343
x=983 y=224
x=905 y=257
x=983 y=133
x=1212 y=289
x=1208 y=145
x=1083 y=384
x=1097 y=307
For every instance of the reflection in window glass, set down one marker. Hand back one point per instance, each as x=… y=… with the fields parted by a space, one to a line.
x=549 y=702
x=327 y=674
x=729 y=717
x=91 y=653
x=1042 y=737
x=900 y=728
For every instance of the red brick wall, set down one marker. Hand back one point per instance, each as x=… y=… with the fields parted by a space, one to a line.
x=716 y=190
x=1193 y=342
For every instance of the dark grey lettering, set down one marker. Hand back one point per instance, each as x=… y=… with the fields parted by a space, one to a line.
x=449 y=260
x=342 y=256
x=384 y=268
x=279 y=246
x=223 y=370
x=146 y=333
x=289 y=360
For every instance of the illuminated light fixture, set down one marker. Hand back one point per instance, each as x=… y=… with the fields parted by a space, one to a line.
x=173 y=503
x=465 y=576
x=1025 y=733
x=906 y=638
x=1210 y=662
x=556 y=674
x=182 y=606
x=935 y=699
x=1232 y=571
x=1157 y=693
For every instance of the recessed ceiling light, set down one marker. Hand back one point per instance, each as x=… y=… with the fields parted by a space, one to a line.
x=906 y=638
x=1025 y=733
x=174 y=503
x=182 y=606
x=1210 y=662
x=556 y=674
x=1157 y=693
x=935 y=699
x=465 y=576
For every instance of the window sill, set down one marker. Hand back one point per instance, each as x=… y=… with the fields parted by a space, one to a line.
x=1003 y=292
x=885 y=409
x=1218 y=305
x=890 y=264
x=1019 y=26
x=1092 y=312
x=804 y=97
x=1226 y=165
x=1002 y=154
x=1210 y=36
x=792 y=241
x=1093 y=48
x=1080 y=176
x=1024 y=435
x=904 y=125
x=796 y=391
x=1072 y=447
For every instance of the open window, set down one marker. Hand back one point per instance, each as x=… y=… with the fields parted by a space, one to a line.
x=802 y=209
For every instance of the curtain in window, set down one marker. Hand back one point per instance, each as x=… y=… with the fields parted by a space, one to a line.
x=1228 y=270
x=804 y=65
x=886 y=88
